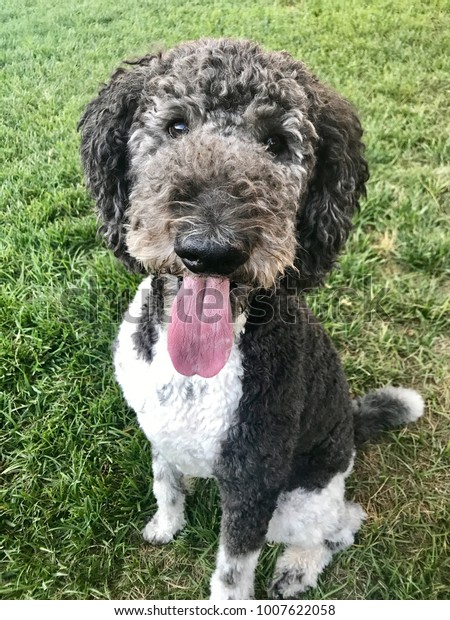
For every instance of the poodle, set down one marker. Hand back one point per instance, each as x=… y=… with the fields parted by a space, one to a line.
x=229 y=175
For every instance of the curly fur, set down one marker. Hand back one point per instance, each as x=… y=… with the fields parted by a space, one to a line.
x=275 y=426
x=147 y=185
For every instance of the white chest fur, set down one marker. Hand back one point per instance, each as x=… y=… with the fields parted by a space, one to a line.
x=185 y=418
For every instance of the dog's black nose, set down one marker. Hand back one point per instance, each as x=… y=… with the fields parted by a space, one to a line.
x=201 y=255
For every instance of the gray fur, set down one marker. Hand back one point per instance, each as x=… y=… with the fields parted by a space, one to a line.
x=383 y=410
x=291 y=212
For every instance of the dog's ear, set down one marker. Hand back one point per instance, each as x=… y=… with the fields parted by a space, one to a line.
x=105 y=127
x=337 y=182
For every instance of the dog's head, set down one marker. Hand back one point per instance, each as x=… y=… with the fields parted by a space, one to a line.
x=221 y=160
x=217 y=157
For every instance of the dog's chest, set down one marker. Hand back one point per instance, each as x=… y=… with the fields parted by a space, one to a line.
x=185 y=418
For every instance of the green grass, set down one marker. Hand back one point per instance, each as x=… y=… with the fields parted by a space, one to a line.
x=75 y=482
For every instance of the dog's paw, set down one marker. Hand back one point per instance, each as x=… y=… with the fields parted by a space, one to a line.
x=288 y=584
x=222 y=592
x=159 y=531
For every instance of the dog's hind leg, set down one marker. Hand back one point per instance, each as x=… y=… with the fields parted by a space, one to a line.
x=314 y=525
x=169 y=493
x=299 y=566
x=297 y=569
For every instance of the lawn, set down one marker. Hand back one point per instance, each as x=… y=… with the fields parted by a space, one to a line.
x=76 y=486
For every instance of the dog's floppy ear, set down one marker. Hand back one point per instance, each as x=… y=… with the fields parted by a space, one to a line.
x=105 y=127
x=337 y=182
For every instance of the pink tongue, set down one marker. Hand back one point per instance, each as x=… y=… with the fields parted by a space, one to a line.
x=201 y=328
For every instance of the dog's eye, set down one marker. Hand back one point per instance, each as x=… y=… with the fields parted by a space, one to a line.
x=178 y=128
x=275 y=144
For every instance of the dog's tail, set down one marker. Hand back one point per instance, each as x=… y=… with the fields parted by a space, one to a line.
x=383 y=409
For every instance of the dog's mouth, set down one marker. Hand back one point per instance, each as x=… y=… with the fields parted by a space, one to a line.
x=201 y=330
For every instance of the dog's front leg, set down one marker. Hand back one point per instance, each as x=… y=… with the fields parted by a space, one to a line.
x=168 y=490
x=244 y=526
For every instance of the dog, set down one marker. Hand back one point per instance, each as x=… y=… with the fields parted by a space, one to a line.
x=229 y=175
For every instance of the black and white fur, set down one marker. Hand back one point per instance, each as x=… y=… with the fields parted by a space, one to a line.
x=276 y=426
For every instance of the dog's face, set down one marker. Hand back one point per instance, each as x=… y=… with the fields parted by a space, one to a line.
x=220 y=155
x=219 y=159
x=227 y=167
